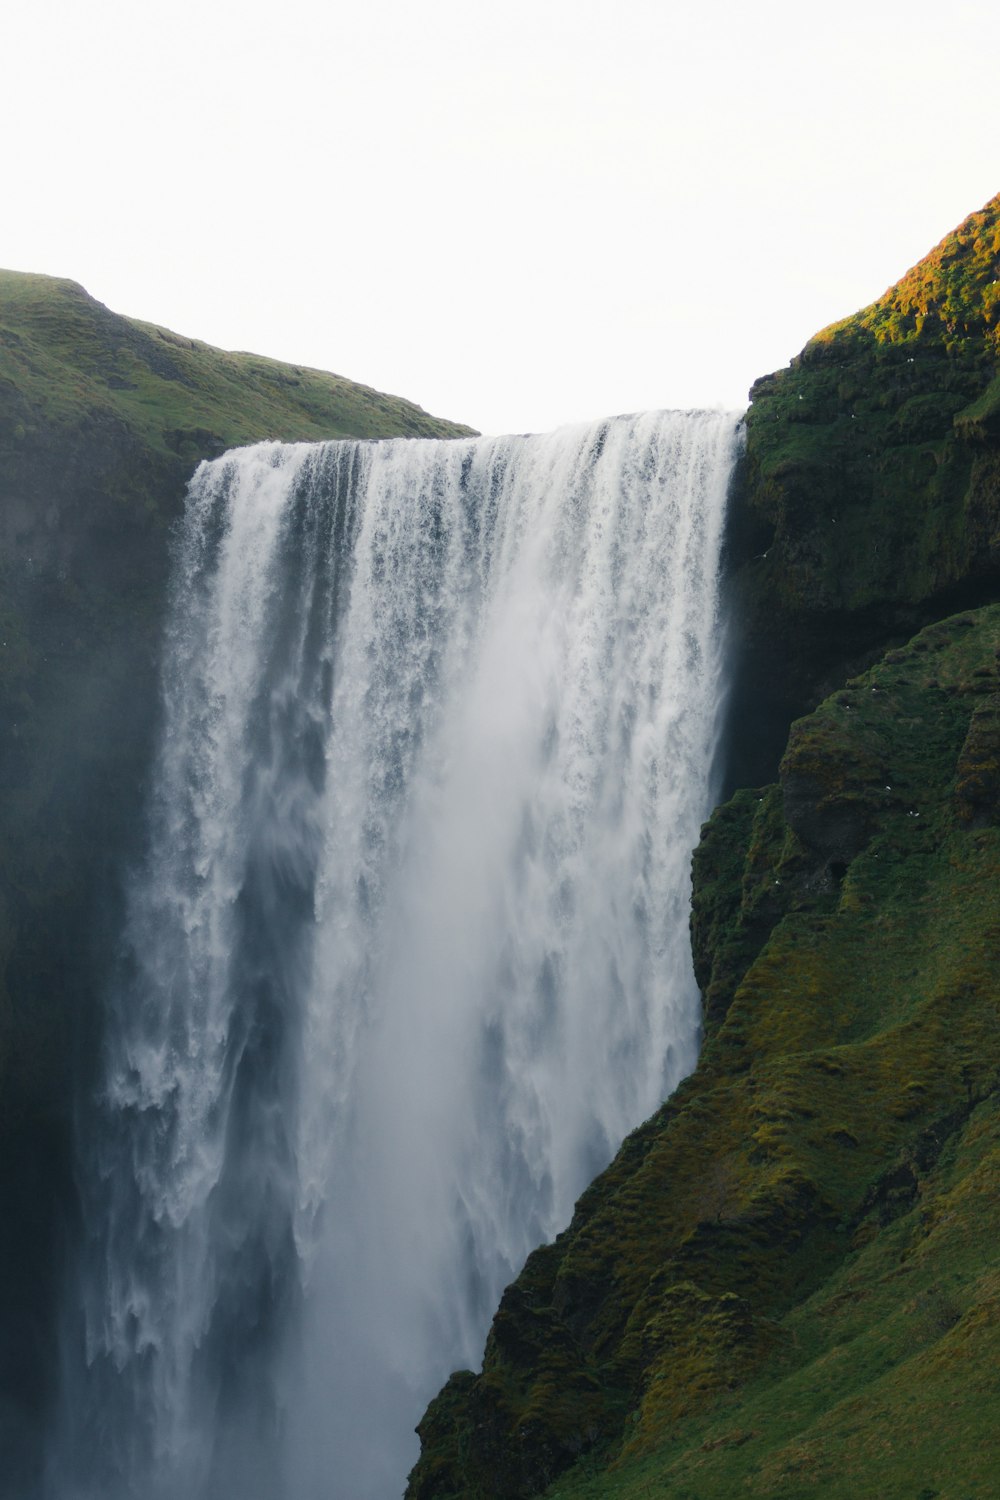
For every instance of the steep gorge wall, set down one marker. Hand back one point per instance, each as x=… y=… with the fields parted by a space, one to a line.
x=785 y=1281
x=787 y=1273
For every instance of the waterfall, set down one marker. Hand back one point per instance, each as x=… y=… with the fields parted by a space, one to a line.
x=407 y=954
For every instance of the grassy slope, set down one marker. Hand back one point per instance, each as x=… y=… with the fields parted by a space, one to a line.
x=877 y=1084
x=787 y=1283
x=65 y=358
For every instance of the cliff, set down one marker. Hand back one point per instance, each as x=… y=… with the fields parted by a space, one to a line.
x=785 y=1283
x=102 y=420
x=870 y=502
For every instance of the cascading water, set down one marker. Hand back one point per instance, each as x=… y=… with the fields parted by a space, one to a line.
x=408 y=954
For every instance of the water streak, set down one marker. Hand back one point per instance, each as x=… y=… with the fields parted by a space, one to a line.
x=408 y=954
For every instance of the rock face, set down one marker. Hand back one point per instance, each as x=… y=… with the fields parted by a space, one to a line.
x=785 y=1282
x=102 y=420
x=870 y=501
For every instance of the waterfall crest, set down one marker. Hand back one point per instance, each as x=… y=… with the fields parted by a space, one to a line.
x=407 y=955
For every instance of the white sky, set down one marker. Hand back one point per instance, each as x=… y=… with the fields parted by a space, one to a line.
x=518 y=214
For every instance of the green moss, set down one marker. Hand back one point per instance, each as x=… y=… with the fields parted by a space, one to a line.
x=66 y=360
x=749 y=869
x=977 y=788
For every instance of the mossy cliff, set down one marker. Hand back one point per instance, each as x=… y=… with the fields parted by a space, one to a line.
x=102 y=420
x=786 y=1283
x=870 y=501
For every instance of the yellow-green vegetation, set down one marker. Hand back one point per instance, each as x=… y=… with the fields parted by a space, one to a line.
x=788 y=1282
x=65 y=359
x=870 y=500
x=954 y=292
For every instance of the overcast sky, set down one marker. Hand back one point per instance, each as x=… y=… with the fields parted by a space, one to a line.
x=518 y=214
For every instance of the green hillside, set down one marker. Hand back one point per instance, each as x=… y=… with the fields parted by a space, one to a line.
x=787 y=1282
x=64 y=359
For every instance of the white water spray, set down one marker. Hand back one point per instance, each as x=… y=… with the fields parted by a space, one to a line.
x=408 y=955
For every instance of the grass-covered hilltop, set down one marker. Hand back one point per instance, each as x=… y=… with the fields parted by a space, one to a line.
x=102 y=420
x=788 y=1282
